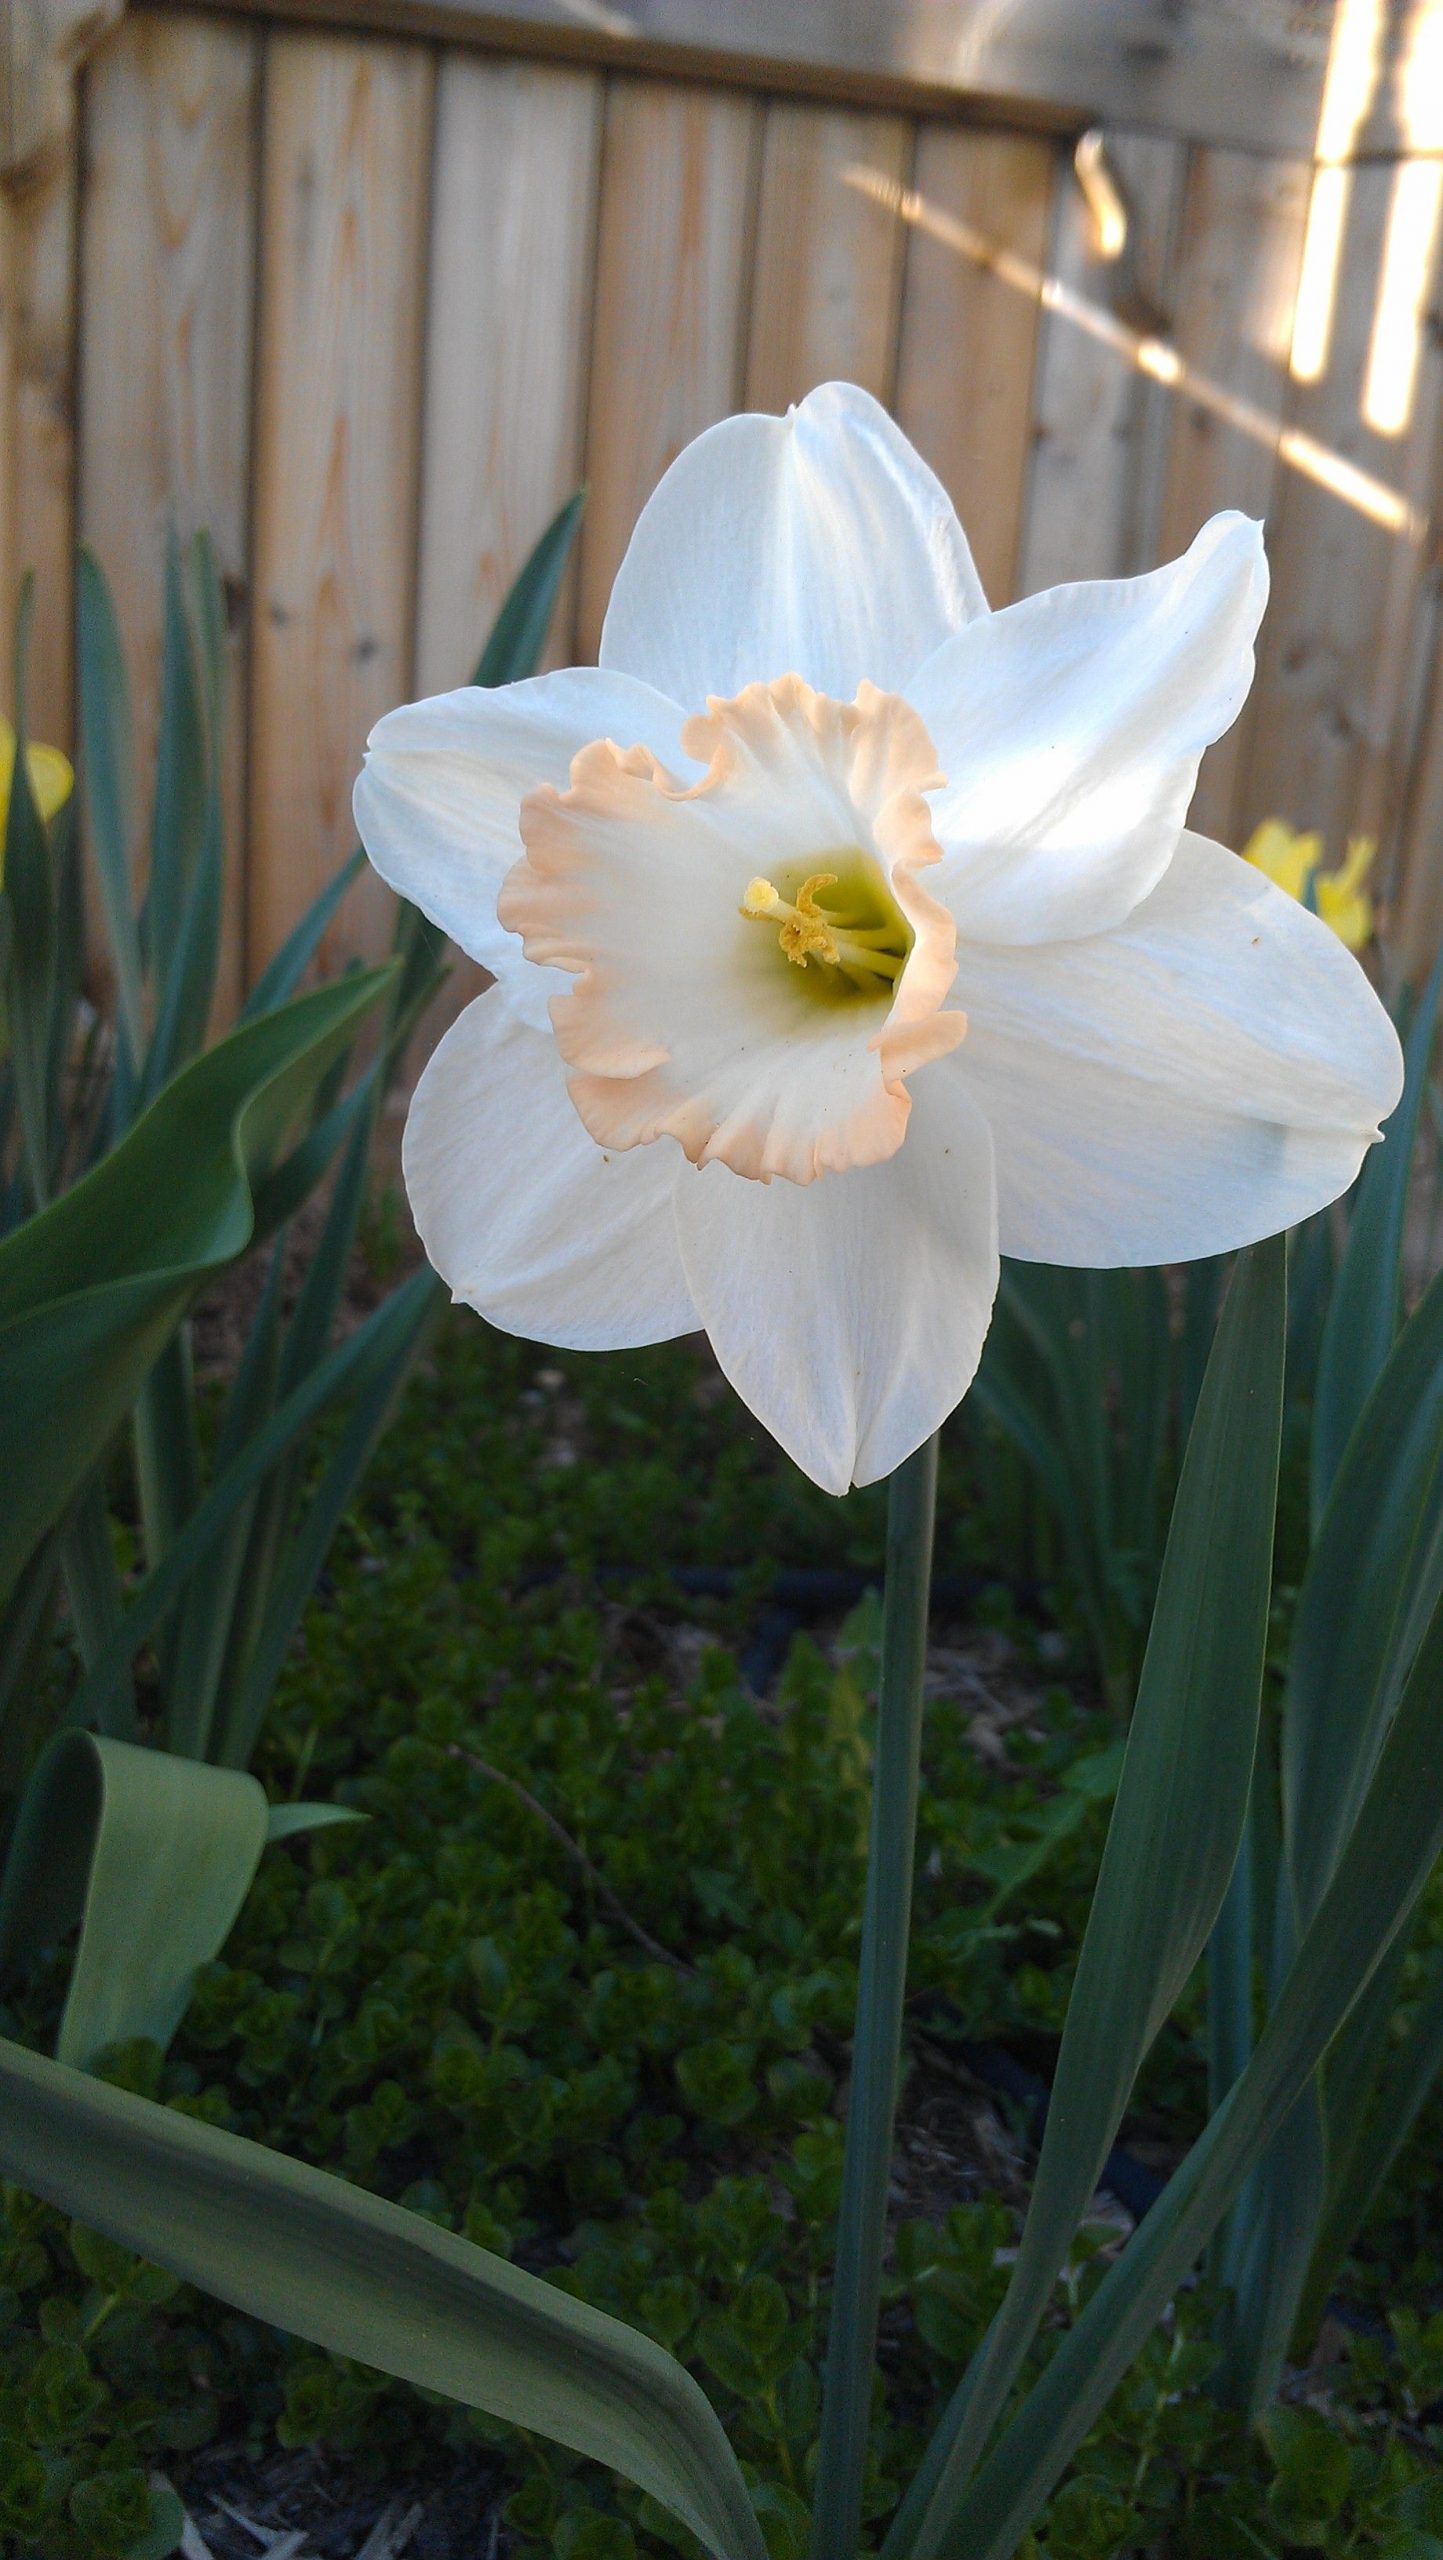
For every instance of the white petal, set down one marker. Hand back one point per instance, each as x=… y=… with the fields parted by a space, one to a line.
x=443 y=781
x=1209 y=1073
x=1070 y=728
x=850 y=1315
x=520 y=1211
x=818 y=545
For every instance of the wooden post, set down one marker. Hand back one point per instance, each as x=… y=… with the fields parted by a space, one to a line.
x=42 y=46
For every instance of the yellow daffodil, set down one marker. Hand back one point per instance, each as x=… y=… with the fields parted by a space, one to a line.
x=51 y=780
x=1293 y=863
x=845 y=933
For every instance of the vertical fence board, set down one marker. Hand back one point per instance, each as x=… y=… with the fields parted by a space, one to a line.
x=969 y=328
x=1237 y=267
x=826 y=286
x=37 y=422
x=511 y=267
x=678 y=178
x=344 y=207
x=1416 y=922
x=167 y=265
x=1094 y=495
x=1324 y=744
x=516 y=169
x=614 y=261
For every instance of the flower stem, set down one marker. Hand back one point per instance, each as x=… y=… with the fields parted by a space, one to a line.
x=881 y=1989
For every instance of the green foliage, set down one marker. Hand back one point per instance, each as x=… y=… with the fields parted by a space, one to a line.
x=199 y=1152
x=1088 y=1384
x=438 y=2003
x=1368 y=1590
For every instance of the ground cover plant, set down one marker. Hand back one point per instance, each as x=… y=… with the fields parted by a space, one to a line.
x=641 y=2094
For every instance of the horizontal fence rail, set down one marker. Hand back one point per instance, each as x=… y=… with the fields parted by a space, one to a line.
x=368 y=306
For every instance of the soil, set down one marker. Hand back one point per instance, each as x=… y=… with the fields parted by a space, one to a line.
x=306 y=2506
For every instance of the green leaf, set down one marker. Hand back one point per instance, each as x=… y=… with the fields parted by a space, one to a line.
x=29 y=895
x=1383 y=1868
x=310 y=2254
x=181 y=788
x=91 y=1290
x=209 y=1592
x=153 y=1855
x=1381 y=2114
x=288 y=1821
x=1363 y=1311
x=108 y=773
x=167 y=2525
x=283 y=974
x=26 y=1619
x=1374 y=1574
x=518 y=634
x=300 y=1561
x=1268 y=2248
x=1171 y=1846
x=93 y=1586
x=356 y=1364
x=184 y=1013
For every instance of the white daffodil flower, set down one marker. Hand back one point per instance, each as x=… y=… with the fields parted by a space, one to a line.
x=846 y=932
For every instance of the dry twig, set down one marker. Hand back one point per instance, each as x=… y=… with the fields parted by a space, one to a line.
x=604 y=1894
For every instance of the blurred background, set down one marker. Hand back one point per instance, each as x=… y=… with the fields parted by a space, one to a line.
x=368 y=303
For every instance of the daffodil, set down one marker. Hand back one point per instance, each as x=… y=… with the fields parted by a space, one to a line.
x=51 y=780
x=1294 y=863
x=844 y=932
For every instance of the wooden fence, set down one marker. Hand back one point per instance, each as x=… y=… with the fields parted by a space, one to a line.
x=369 y=307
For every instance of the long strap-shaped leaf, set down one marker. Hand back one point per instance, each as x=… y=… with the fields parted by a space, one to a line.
x=153 y=1855
x=1363 y=1309
x=27 y=874
x=518 y=634
x=1378 y=1554
x=1373 y=1579
x=313 y=2255
x=299 y=1562
x=1394 y=1845
x=1171 y=1845
x=354 y=1367
x=109 y=784
x=91 y=1289
x=1412 y=2067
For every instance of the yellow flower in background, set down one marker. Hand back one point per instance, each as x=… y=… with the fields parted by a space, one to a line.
x=1291 y=861
x=51 y=777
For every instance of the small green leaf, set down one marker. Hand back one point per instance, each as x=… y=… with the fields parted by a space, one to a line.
x=153 y=1855
x=518 y=634
x=289 y=1821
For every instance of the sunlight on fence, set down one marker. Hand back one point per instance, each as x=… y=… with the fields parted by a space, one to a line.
x=1154 y=357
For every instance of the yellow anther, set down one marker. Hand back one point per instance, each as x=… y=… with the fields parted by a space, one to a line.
x=804 y=929
x=856 y=937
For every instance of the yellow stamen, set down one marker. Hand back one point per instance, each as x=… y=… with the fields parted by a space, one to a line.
x=803 y=930
x=862 y=953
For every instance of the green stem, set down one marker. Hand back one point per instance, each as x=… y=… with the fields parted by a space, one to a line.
x=881 y=1989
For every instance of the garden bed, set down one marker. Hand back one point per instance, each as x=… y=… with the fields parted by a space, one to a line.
x=581 y=1986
